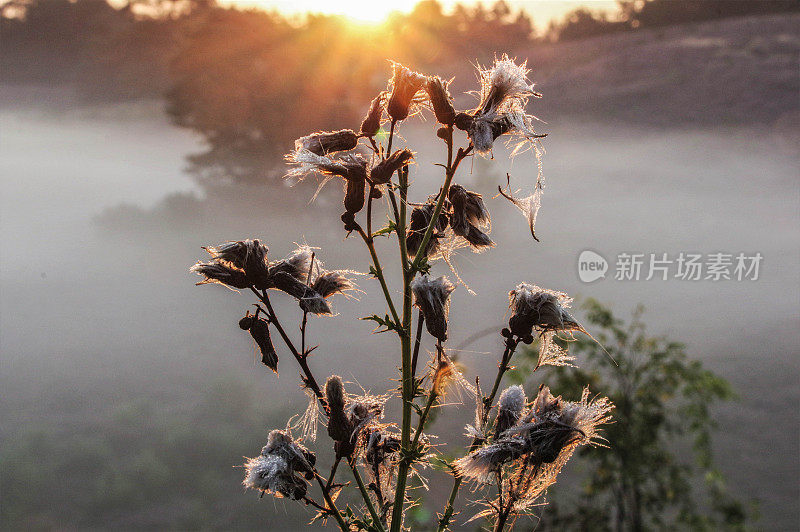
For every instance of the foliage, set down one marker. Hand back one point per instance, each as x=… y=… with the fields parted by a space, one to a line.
x=658 y=472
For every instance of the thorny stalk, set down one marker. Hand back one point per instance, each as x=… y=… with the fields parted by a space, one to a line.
x=417 y=342
x=488 y=402
x=376 y=520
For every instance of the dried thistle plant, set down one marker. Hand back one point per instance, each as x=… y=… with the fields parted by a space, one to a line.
x=516 y=446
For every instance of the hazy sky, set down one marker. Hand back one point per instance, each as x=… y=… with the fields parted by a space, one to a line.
x=542 y=11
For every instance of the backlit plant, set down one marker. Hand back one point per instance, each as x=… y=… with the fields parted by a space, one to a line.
x=517 y=447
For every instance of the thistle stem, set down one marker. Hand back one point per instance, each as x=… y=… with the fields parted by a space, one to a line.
x=376 y=521
x=331 y=505
x=423 y=417
x=379 y=272
x=451 y=170
x=511 y=346
x=417 y=341
x=308 y=377
x=405 y=344
x=502 y=518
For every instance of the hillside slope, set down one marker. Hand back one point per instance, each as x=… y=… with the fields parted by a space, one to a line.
x=726 y=72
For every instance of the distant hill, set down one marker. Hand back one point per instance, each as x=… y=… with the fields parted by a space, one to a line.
x=723 y=72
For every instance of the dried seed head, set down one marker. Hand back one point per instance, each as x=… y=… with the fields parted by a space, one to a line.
x=441 y=101
x=307 y=162
x=333 y=282
x=324 y=142
x=420 y=218
x=372 y=122
x=248 y=255
x=271 y=474
x=509 y=409
x=469 y=214
x=222 y=273
x=468 y=204
x=432 y=296
x=381 y=173
x=503 y=85
x=339 y=428
x=404 y=86
x=274 y=471
x=540 y=308
x=547 y=436
x=259 y=330
x=298 y=263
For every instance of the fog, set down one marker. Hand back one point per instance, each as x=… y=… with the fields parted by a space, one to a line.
x=94 y=318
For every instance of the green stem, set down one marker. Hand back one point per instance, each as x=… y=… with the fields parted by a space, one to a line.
x=405 y=344
x=451 y=170
x=423 y=417
x=376 y=521
x=332 y=506
x=379 y=272
x=488 y=401
x=417 y=341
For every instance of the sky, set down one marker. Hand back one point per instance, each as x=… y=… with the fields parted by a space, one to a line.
x=542 y=11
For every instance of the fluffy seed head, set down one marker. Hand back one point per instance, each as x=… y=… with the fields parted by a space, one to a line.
x=540 y=308
x=432 y=297
x=509 y=410
x=324 y=142
x=222 y=273
x=504 y=84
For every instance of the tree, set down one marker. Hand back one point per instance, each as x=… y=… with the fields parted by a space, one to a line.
x=658 y=472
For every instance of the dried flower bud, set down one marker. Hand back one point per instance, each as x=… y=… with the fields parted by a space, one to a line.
x=382 y=172
x=355 y=195
x=469 y=212
x=372 y=122
x=274 y=471
x=222 y=273
x=432 y=296
x=356 y=176
x=333 y=282
x=548 y=434
x=259 y=330
x=441 y=100
x=420 y=218
x=248 y=255
x=323 y=142
x=536 y=307
x=463 y=121
x=405 y=85
x=509 y=410
x=339 y=428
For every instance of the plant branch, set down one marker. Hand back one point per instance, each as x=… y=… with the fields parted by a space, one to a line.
x=511 y=345
x=365 y=495
x=378 y=271
x=308 y=377
x=417 y=341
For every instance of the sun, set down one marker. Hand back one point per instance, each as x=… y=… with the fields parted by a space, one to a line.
x=368 y=12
